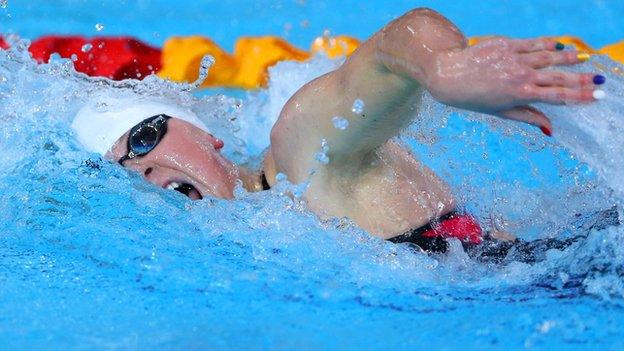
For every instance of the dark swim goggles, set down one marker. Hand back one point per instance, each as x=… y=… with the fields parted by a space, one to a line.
x=144 y=137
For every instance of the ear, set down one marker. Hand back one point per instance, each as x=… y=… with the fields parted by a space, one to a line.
x=216 y=142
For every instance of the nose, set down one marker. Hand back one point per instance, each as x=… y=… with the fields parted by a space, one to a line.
x=148 y=170
x=155 y=175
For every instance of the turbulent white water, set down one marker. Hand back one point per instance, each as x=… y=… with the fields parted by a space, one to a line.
x=508 y=175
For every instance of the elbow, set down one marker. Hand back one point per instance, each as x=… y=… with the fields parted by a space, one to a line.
x=423 y=12
x=419 y=17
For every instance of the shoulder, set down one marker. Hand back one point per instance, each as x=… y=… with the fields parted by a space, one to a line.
x=297 y=134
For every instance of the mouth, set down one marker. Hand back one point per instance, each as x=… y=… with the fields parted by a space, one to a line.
x=186 y=189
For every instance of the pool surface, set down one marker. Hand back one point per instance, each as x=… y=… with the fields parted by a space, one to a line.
x=92 y=257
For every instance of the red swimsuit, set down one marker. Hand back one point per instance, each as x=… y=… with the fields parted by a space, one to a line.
x=455 y=225
x=452 y=225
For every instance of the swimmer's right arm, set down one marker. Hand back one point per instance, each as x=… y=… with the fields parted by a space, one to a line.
x=420 y=50
x=378 y=75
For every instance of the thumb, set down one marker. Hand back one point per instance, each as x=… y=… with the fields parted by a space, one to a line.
x=530 y=115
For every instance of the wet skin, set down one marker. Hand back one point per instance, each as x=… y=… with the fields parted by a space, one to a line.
x=185 y=155
x=376 y=182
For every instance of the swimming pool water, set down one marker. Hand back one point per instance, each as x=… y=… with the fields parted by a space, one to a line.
x=93 y=257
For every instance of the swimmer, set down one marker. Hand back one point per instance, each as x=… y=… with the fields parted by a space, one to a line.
x=362 y=174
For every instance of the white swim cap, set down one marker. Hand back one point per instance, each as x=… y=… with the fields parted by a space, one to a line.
x=102 y=121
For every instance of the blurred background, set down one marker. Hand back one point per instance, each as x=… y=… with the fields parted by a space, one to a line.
x=598 y=22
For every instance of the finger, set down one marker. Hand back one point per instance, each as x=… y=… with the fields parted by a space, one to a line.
x=560 y=95
x=530 y=115
x=564 y=79
x=532 y=45
x=542 y=59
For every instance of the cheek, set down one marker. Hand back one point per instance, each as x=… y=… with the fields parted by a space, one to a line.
x=199 y=159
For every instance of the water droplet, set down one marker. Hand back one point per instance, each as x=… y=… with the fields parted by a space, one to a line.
x=358 y=107
x=324 y=146
x=321 y=157
x=86 y=47
x=55 y=56
x=4 y=3
x=74 y=57
x=206 y=62
x=340 y=123
x=239 y=189
x=298 y=192
x=99 y=27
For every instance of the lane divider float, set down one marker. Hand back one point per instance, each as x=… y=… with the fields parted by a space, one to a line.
x=180 y=57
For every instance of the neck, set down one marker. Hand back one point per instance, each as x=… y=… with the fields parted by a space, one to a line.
x=252 y=181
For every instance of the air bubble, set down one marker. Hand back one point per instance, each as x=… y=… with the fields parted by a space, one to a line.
x=74 y=57
x=358 y=107
x=340 y=123
x=86 y=47
x=280 y=177
x=99 y=27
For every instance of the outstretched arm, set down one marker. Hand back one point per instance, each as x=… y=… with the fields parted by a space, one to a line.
x=420 y=50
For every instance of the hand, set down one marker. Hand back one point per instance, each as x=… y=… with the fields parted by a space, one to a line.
x=502 y=76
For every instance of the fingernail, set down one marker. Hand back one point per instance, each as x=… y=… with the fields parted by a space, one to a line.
x=546 y=131
x=599 y=79
x=599 y=94
x=583 y=56
x=559 y=46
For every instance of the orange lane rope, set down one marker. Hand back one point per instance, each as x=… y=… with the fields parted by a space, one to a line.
x=245 y=68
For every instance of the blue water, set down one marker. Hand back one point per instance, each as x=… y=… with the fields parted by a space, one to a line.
x=91 y=256
x=597 y=21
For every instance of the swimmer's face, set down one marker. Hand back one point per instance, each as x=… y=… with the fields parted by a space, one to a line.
x=186 y=159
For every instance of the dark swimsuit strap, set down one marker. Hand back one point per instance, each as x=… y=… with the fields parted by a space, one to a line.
x=265 y=184
x=430 y=244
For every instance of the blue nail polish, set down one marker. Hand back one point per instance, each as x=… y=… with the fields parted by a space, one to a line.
x=599 y=79
x=559 y=46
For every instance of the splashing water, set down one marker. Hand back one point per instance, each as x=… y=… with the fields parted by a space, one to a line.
x=358 y=107
x=340 y=122
x=85 y=240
